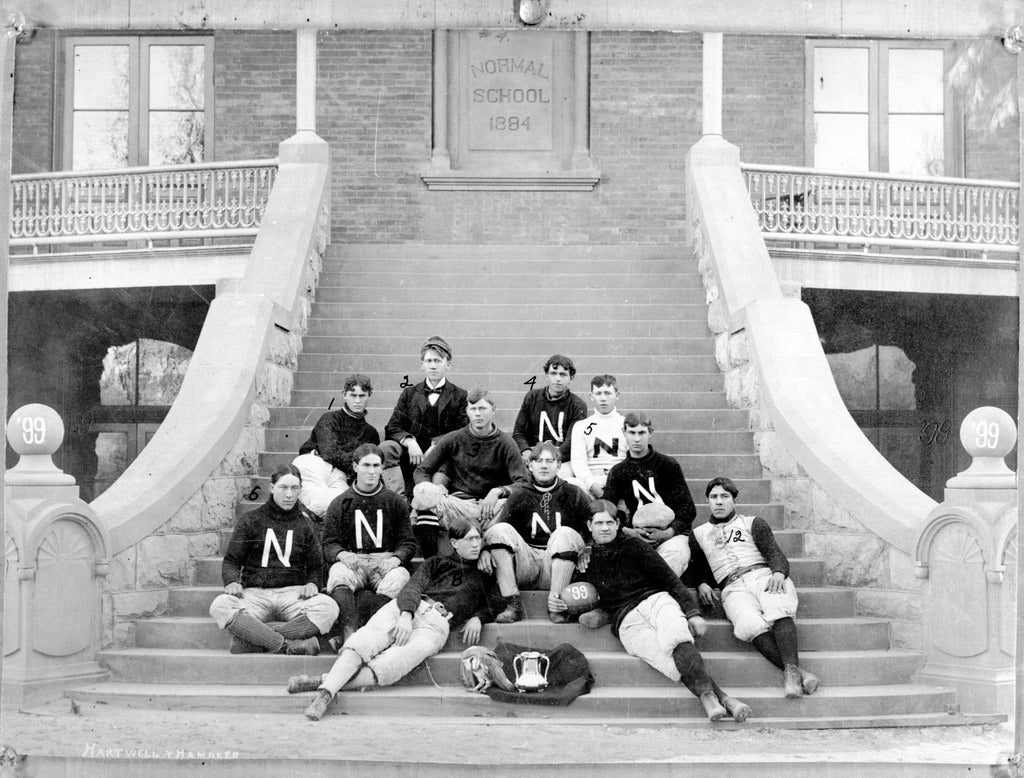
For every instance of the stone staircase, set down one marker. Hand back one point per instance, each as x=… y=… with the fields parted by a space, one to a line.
x=638 y=313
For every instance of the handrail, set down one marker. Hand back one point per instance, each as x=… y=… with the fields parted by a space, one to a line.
x=228 y=373
x=174 y=200
x=794 y=382
x=809 y=205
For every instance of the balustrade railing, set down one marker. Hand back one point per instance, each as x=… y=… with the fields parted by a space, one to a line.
x=808 y=205
x=146 y=203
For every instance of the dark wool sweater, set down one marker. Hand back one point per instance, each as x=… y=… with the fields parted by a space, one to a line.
x=260 y=554
x=415 y=416
x=561 y=415
x=764 y=540
x=336 y=435
x=627 y=571
x=558 y=505
x=455 y=583
x=387 y=525
x=632 y=477
x=475 y=464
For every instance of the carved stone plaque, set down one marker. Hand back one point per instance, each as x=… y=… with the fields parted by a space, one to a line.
x=511 y=111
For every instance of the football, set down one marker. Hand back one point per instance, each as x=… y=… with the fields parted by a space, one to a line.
x=580 y=597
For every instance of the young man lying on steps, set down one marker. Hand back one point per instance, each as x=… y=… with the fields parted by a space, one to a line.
x=445 y=592
x=652 y=613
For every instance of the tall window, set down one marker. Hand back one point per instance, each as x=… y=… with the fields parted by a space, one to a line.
x=882 y=106
x=137 y=101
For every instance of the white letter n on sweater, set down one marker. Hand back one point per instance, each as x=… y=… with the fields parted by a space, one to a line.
x=271 y=540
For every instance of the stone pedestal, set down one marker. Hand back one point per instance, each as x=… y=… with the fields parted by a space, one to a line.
x=967 y=555
x=55 y=557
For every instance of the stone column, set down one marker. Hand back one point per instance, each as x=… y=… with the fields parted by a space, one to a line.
x=305 y=79
x=56 y=556
x=711 y=110
x=967 y=553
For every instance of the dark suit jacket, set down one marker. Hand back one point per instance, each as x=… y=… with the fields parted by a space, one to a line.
x=407 y=418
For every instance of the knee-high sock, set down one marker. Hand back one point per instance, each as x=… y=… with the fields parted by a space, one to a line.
x=561 y=575
x=784 y=631
x=367 y=603
x=426 y=536
x=298 y=628
x=505 y=572
x=344 y=669
x=346 y=600
x=769 y=649
x=691 y=669
x=249 y=628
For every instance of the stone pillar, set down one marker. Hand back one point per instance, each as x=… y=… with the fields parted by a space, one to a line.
x=305 y=79
x=966 y=552
x=55 y=555
x=711 y=109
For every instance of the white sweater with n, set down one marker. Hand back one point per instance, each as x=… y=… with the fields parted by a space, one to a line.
x=598 y=444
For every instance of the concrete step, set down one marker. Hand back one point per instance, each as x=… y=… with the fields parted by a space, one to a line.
x=700 y=466
x=524 y=364
x=705 y=442
x=815 y=635
x=803 y=570
x=875 y=706
x=610 y=668
x=539 y=292
x=519 y=253
x=485 y=342
x=536 y=327
x=506 y=398
x=464 y=307
x=716 y=419
x=816 y=602
x=419 y=278
x=703 y=381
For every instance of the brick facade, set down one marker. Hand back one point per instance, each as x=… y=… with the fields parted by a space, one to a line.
x=34 y=109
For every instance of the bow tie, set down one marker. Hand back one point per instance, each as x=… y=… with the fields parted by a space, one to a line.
x=433 y=391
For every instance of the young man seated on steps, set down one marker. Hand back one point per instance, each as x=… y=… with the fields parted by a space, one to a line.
x=477 y=466
x=539 y=537
x=654 y=616
x=596 y=441
x=368 y=539
x=739 y=554
x=325 y=460
x=424 y=412
x=548 y=414
x=648 y=477
x=273 y=570
x=445 y=592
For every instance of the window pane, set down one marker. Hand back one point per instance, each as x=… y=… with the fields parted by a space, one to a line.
x=117 y=382
x=176 y=77
x=915 y=81
x=840 y=79
x=101 y=77
x=111 y=458
x=916 y=145
x=841 y=142
x=176 y=137
x=99 y=140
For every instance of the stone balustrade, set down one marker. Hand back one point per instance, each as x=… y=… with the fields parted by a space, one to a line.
x=56 y=556
x=966 y=556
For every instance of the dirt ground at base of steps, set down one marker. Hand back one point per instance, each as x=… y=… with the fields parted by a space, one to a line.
x=55 y=730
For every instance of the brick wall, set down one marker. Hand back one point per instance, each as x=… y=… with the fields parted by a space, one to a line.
x=374 y=107
x=34 y=108
x=763 y=98
x=254 y=88
x=993 y=153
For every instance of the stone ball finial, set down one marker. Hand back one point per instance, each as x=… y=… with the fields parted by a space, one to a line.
x=35 y=429
x=35 y=432
x=988 y=432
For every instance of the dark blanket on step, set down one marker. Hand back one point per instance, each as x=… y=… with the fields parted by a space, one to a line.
x=569 y=676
